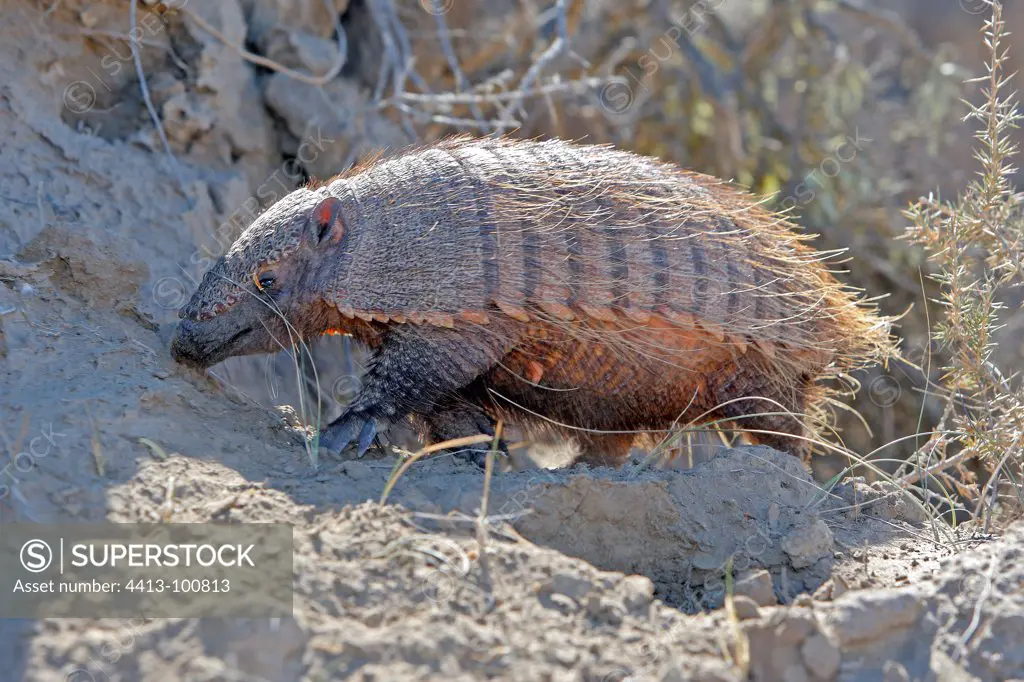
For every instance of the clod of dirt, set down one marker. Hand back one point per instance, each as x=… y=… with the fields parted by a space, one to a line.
x=316 y=54
x=790 y=645
x=220 y=120
x=821 y=656
x=757 y=586
x=97 y=267
x=881 y=499
x=867 y=617
x=807 y=544
x=274 y=24
x=745 y=607
x=683 y=529
x=323 y=120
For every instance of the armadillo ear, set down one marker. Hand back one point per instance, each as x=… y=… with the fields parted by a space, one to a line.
x=327 y=220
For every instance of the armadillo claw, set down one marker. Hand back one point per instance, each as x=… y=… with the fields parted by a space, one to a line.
x=477 y=454
x=366 y=437
x=345 y=429
x=461 y=420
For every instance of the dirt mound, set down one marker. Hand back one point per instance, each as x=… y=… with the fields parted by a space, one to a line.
x=599 y=575
x=379 y=598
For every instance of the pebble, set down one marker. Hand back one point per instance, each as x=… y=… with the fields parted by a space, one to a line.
x=821 y=656
x=746 y=608
x=806 y=544
x=570 y=585
x=356 y=470
x=637 y=592
x=757 y=585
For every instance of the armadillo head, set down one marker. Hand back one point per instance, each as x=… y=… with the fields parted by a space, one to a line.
x=261 y=295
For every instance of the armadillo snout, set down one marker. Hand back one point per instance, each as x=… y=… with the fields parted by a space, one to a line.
x=184 y=346
x=204 y=343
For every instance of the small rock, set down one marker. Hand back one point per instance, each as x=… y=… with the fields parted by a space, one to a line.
x=807 y=544
x=316 y=54
x=563 y=604
x=311 y=16
x=757 y=585
x=604 y=609
x=859 y=618
x=564 y=656
x=706 y=561
x=824 y=592
x=672 y=675
x=821 y=656
x=796 y=673
x=226 y=16
x=893 y=671
x=186 y=117
x=288 y=415
x=356 y=470
x=898 y=504
x=745 y=607
x=323 y=122
x=571 y=586
x=774 y=644
x=89 y=17
x=637 y=592
x=797 y=626
x=850 y=490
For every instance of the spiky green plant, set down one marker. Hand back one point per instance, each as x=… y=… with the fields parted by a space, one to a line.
x=977 y=246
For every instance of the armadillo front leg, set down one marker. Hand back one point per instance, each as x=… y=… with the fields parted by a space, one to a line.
x=415 y=370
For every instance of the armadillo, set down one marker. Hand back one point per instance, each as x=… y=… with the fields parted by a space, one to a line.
x=589 y=290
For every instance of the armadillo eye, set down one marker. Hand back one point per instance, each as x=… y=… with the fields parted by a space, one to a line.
x=265 y=281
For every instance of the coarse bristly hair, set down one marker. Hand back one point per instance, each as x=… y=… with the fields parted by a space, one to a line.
x=573 y=247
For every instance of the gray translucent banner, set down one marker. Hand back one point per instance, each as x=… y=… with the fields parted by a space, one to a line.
x=116 y=570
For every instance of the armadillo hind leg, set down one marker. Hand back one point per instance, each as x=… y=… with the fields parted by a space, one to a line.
x=605 y=450
x=794 y=444
x=415 y=369
x=460 y=417
x=767 y=413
